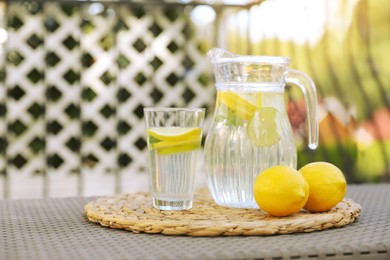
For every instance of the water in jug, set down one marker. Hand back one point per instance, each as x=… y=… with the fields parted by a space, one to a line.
x=251 y=131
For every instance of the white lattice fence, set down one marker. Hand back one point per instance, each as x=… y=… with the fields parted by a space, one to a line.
x=77 y=78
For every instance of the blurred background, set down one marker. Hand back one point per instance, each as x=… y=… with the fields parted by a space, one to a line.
x=75 y=76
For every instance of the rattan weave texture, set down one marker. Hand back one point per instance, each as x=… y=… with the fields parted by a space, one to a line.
x=135 y=212
x=59 y=229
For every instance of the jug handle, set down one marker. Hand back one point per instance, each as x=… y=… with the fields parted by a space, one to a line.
x=307 y=86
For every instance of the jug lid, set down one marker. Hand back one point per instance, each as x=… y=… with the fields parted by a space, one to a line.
x=217 y=55
x=230 y=68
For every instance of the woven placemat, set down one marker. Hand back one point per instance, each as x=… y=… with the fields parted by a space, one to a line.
x=135 y=212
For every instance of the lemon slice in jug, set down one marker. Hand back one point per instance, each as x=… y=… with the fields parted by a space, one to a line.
x=262 y=128
x=242 y=108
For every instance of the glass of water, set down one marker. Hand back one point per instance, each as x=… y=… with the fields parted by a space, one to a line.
x=174 y=141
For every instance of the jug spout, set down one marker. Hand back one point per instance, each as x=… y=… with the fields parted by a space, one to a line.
x=216 y=54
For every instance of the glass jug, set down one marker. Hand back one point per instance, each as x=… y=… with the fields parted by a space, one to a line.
x=250 y=131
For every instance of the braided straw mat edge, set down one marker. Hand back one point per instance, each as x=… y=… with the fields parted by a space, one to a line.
x=135 y=212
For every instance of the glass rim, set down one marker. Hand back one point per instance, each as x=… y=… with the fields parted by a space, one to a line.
x=172 y=109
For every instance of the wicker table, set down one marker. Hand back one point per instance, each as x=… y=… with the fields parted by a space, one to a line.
x=59 y=229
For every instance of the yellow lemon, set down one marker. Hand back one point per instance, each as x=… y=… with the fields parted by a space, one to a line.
x=281 y=191
x=327 y=186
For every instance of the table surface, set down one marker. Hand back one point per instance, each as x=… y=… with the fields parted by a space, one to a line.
x=59 y=229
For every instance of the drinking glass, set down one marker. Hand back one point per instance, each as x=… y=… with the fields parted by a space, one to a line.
x=174 y=141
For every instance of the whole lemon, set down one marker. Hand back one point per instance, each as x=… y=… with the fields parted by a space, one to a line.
x=327 y=186
x=280 y=191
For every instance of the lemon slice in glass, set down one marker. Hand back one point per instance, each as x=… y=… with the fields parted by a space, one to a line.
x=178 y=148
x=170 y=140
x=173 y=133
x=262 y=128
